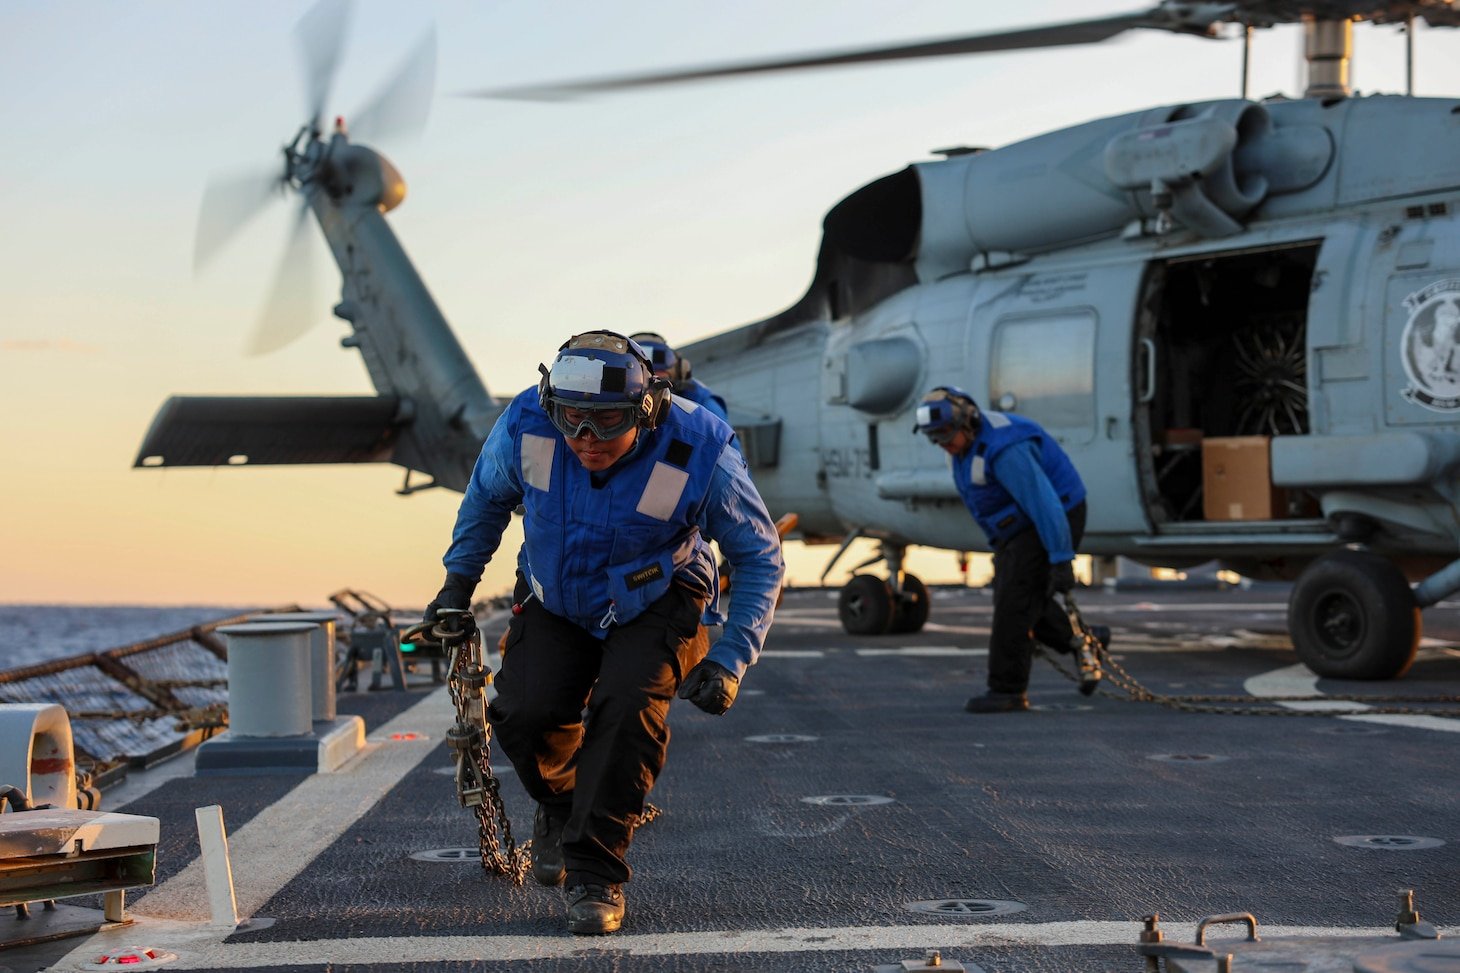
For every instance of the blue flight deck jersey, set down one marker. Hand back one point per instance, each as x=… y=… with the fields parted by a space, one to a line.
x=1015 y=475
x=599 y=548
x=699 y=392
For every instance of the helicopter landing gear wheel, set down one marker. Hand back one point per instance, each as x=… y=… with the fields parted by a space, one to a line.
x=1352 y=616
x=911 y=612
x=866 y=606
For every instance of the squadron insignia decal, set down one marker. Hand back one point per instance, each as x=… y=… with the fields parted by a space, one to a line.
x=1430 y=346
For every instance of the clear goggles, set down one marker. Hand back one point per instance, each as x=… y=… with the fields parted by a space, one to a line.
x=606 y=421
x=942 y=435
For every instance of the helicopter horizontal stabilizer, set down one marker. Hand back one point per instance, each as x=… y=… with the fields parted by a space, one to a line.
x=271 y=431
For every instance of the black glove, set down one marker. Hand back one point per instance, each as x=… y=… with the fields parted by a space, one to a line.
x=711 y=687
x=455 y=593
x=1062 y=577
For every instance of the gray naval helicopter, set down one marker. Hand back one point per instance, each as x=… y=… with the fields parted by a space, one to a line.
x=1270 y=290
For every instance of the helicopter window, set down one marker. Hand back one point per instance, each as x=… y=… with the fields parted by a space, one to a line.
x=1043 y=367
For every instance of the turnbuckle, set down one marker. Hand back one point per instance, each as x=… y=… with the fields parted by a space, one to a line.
x=1087 y=652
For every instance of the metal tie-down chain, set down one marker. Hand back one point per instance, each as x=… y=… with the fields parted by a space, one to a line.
x=1235 y=704
x=470 y=741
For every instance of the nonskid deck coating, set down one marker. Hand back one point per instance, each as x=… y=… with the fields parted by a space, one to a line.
x=1063 y=810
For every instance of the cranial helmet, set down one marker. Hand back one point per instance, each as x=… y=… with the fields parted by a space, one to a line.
x=603 y=382
x=665 y=358
x=944 y=412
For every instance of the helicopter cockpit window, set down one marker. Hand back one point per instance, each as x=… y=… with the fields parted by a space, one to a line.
x=1043 y=367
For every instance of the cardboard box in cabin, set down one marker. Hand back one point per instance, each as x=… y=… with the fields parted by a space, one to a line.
x=1237 y=479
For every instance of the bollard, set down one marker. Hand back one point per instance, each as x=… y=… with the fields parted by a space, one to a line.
x=269 y=685
x=322 y=657
x=273 y=724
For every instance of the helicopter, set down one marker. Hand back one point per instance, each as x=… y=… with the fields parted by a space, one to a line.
x=1236 y=316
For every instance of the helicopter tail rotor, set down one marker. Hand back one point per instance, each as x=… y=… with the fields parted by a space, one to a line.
x=293 y=304
x=230 y=204
x=320 y=34
x=314 y=162
x=401 y=106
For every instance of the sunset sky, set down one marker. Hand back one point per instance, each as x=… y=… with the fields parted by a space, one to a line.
x=684 y=211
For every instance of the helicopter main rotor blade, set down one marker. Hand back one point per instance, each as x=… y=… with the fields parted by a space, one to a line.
x=402 y=104
x=320 y=33
x=291 y=308
x=230 y=204
x=1198 y=18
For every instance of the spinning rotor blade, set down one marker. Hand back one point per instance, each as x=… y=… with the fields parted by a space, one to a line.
x=1197 y=18
x=320 y=33
x=292 y=307
x=229 y=204
x=403 y=103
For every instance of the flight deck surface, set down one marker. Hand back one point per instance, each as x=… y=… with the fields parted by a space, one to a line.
x=847 y=814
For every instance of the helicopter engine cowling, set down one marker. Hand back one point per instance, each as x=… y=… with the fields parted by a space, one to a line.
x=1193 y=163
x=363 y=175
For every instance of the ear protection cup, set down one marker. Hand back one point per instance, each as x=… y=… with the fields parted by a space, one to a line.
x=657 y=403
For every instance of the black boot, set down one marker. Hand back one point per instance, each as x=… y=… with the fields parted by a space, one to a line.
x=595 y=910
x=992 y=702
x=547 y=846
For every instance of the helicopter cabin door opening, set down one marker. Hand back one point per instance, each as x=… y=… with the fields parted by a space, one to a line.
x=1220 y=369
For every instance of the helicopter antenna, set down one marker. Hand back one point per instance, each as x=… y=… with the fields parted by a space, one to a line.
x=1246 y=57
x=1409 y=54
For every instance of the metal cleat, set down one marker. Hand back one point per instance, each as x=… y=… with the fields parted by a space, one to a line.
x=932 y=962
x=1408 y=923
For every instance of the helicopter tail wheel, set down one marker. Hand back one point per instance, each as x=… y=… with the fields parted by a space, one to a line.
x=1352 y=616
x=911 y=612
x=866 y=606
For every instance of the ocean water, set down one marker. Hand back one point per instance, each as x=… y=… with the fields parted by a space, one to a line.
x=39 y=633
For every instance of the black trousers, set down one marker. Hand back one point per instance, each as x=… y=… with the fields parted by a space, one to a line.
x=1023 y=607
x=597 y=772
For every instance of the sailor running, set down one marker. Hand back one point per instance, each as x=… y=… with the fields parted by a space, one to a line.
x=622 y=487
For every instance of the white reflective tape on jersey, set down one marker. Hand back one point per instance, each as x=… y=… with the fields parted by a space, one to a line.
x=996 y=419
x=573 y=374
x=925 y=415
x=976 y=471
x=688 y=405
x=662 y=492
x=537 y=461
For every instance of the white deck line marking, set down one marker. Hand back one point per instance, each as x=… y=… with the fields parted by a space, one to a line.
x=960 y=629
x=783 y=621
x=1299 y=680
x=793 y=653
x=883 y=939
x=924 y=650
x=1223 y=606
x=281 y=840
